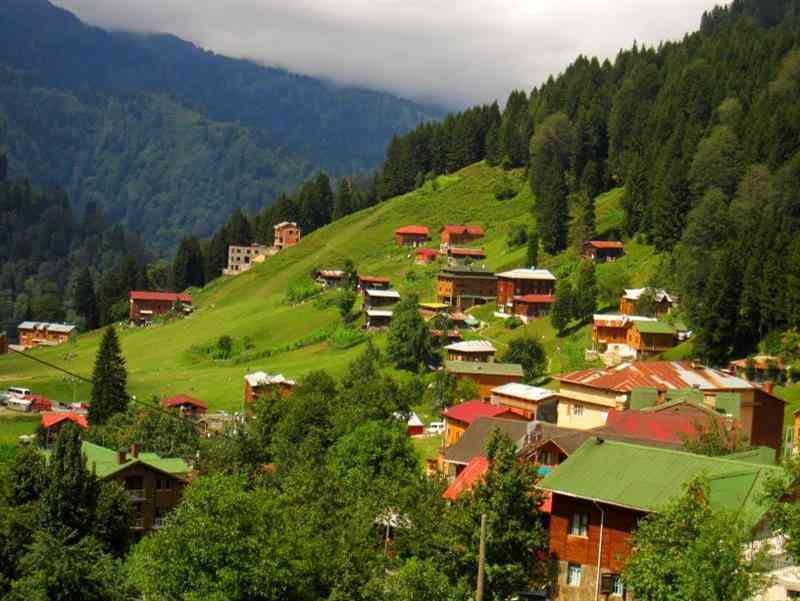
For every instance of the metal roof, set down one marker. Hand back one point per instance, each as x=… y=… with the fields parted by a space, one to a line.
x=379 y=313
x=473 y=442
x=472 y=346
x=63 y=328
x=660 y=294
x=261 y=378
x=653 y=327
x=527 y=274
x=382 y=293
x=524 y=391
x=489 y=369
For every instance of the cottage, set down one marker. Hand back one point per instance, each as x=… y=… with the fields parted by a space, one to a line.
x=52 y=423
x=374 y=299
x=465 y=286
x=459 y=417
x=287 y=234
x=242 y=258
x=33 y=334
x=411 y=235
x=457 y=235
x=531 y=306
x=629 y=301
x=760 y=368
x=185 y=405
x=262 y=384
x=588 y=395
x=425 y=256
x=414 y=425
x=596 y=506
x=465 y=255
x=531 y=402
x=145 y=305
x=485 y=376
x=331 y=278
x=367 y=282
x=378 y=319
x=523 y=282
x=473 y=440
x=471 y=350
x=632 y=336
x=602 y=251
x=648 y=338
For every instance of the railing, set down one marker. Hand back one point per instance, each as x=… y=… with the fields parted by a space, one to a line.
x=786 y=570
x=136 y=494
x=138 y=524
x=159 y=522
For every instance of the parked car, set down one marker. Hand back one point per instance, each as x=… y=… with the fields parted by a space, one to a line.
x=435 y=428
x=18 y=392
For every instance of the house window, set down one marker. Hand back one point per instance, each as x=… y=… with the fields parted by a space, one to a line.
x=163 y=484
x=617 y=586
x=579 y=525
x=577 y=409
x=574 y=574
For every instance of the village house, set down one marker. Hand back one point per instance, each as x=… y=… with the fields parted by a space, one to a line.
x=485 y=376
x=378 y=319
x=629 y=301
x=531 y=402
x=411 y=235
x=414 y=425
x=33 y=334
x=287 y=234
x=604 y=488
x=760 y=368
x=602 y=251
x=52 y=423
x=425 y=256
x=523 y=282
x=185 y=405
x=648 y=338
x=260 y=384
x=371 y=282
x=472 y=442
x=471 y=350
x=428 y=310
x=465 y=286
x=532 y=306
x=632 y=337
x=242 y=258
x=331 y=278
x=459 y=235
x=145 y=305
x=458 y=256
x=587 y=396
x=374 y=298
x=459 y=417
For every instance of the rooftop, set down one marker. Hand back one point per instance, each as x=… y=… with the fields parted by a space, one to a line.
x=382 y=293
x=469 y=411
x=635 y=294
x=473 y=442
x=56 y=417
x=63 y=328
x=491 y=369
x=653 y=327
x=524 y=391
x=656 y=426
x=466 y=252
x=172 y=297
x=184 y=399
x=473 y=230
x=380 y=312
x=468 y=478
x=105 y=462
x=261 y=378
x=472 y=346
x=416 y=230
x=604 y=244
x=534 y=299
x=467 y=271
x=285 y=224
x=646 y=478
x=331 y=273
x=527 y=274
x=427 y=252
x=372 y=279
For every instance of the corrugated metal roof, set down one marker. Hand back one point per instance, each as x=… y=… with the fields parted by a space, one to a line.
x=524 y=391
x=605 y=244
x=159 y=296
x=472 y=346
x=379 y=313
x=382 y=293
x=492 y=369
x=468 y=478
x=635 y=294
x=527 y=274
x=261 y=378
x=469 y=411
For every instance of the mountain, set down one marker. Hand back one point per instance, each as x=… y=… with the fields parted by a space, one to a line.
x=169 y=137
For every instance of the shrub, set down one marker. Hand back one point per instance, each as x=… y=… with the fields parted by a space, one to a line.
x=513 y=322
x=517 y=236
x=504 y=189
x=302 y=288
x=345 y=338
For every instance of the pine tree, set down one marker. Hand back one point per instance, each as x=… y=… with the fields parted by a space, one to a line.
x=409 y=344
x=109 y=380
x=716 y=328
x=238 y=230
x=188 y=267
x=344 y=204
x=494 y=150
x=583 y=220
x=84 y=299
x=585 y=302
x=532 y=255
x=564 y=307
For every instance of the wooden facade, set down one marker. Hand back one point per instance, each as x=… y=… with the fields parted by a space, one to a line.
x=154 y=494
x=145 y=305
x=486 y=382
x=646 y=344
x=458 y=235
x=508 y=287
x=464 y=288
x=411 y=235
x=602 y=251
x=286 y=234
x=629 y=306
x=532 y=306
x=32 y=334
x=253 y=391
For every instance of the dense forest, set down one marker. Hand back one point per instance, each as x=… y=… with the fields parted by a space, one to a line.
x=167 y=137
x=703 y=133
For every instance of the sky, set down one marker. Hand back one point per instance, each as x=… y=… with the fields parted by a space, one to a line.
x=453 y=52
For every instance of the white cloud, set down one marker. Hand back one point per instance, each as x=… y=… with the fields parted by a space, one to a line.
x=453 y=51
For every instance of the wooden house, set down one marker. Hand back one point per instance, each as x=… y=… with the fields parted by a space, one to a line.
x=145 y=305
x=531 y=402
x=465 y=286
x=425 y=256
x=33 y=334
x=378 y=319
x=185 y=405
x=262 y=384
x=459 y=255
x=374 y=299
x=522 y=282
x=629 y=301
x=459 y=235
x=287 y=234
x=603 y=490
x=472 y=442
x=331 y=278
x=371 y=282
x=471 y=350
x=430 y=310
x=532 y=306
x=602 y=251
x=52 y=422
x=648 y=338
x=459 y=417
x=412 y=235
x=485 y=376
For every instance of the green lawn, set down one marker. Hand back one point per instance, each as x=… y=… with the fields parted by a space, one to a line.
x=427 y=447
x=12 y=427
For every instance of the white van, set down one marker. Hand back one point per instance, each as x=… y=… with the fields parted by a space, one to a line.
x=18 y=393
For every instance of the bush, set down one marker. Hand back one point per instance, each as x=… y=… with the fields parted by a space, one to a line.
x=345 y=338
x=504 y=189
x=517 y=236
x=513 y=322
x=302 y=288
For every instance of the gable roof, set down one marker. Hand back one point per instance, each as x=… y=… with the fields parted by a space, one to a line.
x=536 y=299
x=489 y=369
x=61 y=328
x=527 y=274
x=413 y=230
x=261 y=378
x=646 y=478
x=51 y=419
x=469 y=411
x=472 y=346
x=104 y=462
x=474 y=472
x=427 y=252
x=663 y=427
x=184 y=399
x=160 y=296
x=524 y=391
x=382 y=293
x=473 y=442
x=653 y=327
x=604 y=244
x=660 y=294
x=473 y=230
x=466 y=252
x=372 y=279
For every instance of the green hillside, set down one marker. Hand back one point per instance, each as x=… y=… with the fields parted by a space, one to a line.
x=254 y=305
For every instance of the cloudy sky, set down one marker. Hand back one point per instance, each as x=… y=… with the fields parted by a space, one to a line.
x=456 y=52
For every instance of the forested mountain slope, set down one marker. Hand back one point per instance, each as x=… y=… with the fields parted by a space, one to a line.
x=169 y=137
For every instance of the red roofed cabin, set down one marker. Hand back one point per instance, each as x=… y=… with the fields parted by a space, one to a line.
x=603 y=251
x=287 y=234
x=523 y=282
x=459 y=417
x=371 y=282
x=145 y=305
x=185 y=405
x=259 y=384
x=53 y=422
x=456 y=235
x=531 y=306
x=411 y=235
x=465 y=254
x=426 y=256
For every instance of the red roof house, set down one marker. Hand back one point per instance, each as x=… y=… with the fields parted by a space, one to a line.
x=459 y=417
x=460 y=234
x=145 y=304
x=531 y=306
x=477 y=254
x=411 y=235
x=602 y=250
x=426 y=256
x=470 y=476
x=185 y=404
x=53 y=422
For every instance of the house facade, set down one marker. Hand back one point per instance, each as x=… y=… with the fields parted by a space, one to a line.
x=632 y=336
x=532 y=306
x=459 y=417
x=331 y=278
x=485 y=376
x=464 y=287
x=287 y=234
x=242 y=258
x=33 y=334
x=459 y=255
x=459 y=235
x=52 y=422
x=602 y=251
x=412 y=235
x=629 y=301
x=371 y=282
x=186 y=405
x=145 y=305
x=530 y=402
x=471 y=350
x=523 y=282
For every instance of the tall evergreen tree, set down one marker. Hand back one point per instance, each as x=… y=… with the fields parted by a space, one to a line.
x=85 y=300
x=585 y=302
x=409 y=345
x=188 y=267
x=109 y=380
x=344 y=204
x=532 y=249
x=564 y=307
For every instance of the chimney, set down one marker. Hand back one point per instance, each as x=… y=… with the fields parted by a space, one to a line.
x=135 y=448
x=122 y=456
x=769 y=387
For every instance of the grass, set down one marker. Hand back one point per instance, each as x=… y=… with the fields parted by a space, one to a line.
x=254 y=304
x=12 y=427
x=427 y=447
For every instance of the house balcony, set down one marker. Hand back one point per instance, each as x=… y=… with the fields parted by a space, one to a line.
x=159 y=522
x=136 y=494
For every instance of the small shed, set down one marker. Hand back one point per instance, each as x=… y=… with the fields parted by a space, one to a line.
x=330 y=278
x=411 y=235
x=426 y=256
x=603 y=251
x=185 y=405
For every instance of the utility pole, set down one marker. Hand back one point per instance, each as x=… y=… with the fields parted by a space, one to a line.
x=481 y=559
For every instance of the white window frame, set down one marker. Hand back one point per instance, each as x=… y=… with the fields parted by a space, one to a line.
x=572 y=570
x=577 y=409
x=579 y=525
x=618 y=589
